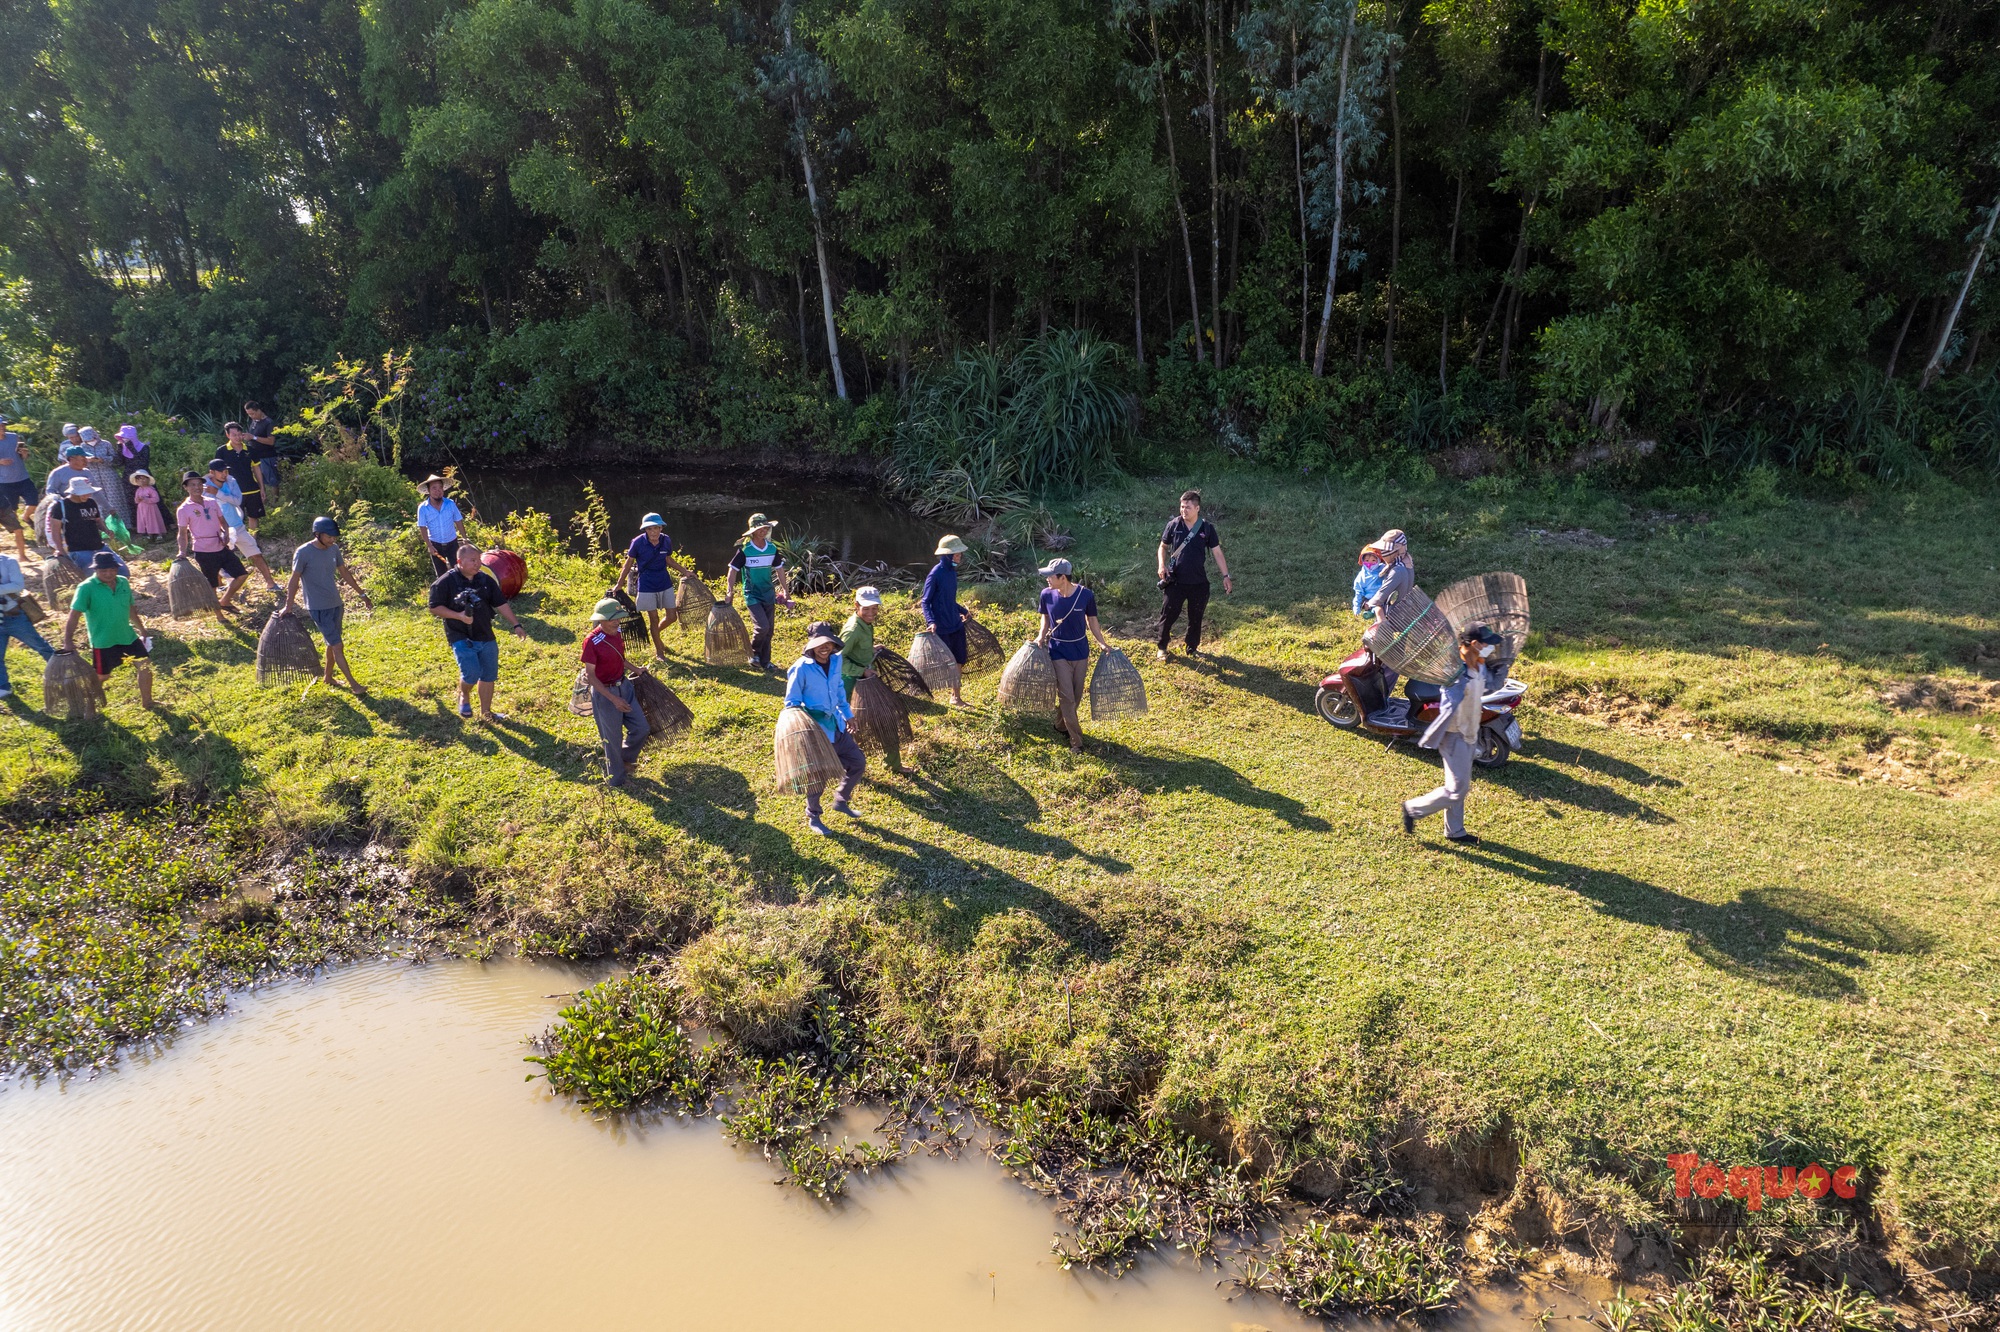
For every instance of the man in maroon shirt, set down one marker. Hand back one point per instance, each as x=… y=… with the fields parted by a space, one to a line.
x=614 y=704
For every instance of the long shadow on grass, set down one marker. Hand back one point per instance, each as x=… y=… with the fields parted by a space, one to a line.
x=1540 y=781
x=1792 y=938
x=1149 y=769
x=983 y=802
x=716 y=805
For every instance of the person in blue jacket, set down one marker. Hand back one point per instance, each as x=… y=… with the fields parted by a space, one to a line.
x=814 y=684
x=939 y=606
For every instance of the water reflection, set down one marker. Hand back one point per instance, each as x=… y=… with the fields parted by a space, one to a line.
x=705 y=512
x=362 y=1150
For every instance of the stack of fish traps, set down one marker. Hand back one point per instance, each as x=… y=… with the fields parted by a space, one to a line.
x=1414 y=638
x=880 y=723
x=897 y=672
x=692 y=599
x=804 y=755
x=725 y=642
x=59 y=575
x=1116 y=689
x=983 y=653
x=934 y=662
x=1497 y=600
x=666 y=716
x=1028 y=685
x=70 y=691
x=189 y=592
x=285 y=651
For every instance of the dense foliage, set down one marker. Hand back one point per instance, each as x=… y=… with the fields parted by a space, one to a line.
x=1308 y=222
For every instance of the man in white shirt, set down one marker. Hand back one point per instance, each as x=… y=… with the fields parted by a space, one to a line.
x=442 y=524
x=14 y=622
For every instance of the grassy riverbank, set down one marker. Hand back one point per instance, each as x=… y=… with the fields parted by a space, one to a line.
x=1736 y=897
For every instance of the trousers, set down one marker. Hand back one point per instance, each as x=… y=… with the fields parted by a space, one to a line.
x=852 y=764
x=1456 y=752
x=1069 y=688
x=14 y=624
x=623 y=733
x=762 y=616
x=1194 y=596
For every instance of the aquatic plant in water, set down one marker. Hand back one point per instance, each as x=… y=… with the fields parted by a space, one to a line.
x=622 y=1044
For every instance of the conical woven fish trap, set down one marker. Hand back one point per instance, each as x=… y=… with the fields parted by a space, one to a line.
x=666 y=716
x=693 y=598
x=285 y=651
x=880 y=723
x=1497 y=600
x=1415 y=639
x=805 y=756
x=188 y=591
x=983 y=653
x=725 y=642
x=580 y=693
x=1029 y=682
x=1116 y=690
x=59 y=575
x=634 y=624
x=69 y=688
x=901 y=677
x=934 y=662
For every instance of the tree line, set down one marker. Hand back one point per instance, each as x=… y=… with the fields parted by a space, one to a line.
x=609 y=213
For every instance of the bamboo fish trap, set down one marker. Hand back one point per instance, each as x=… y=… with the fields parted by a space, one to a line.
x=896 y=672
x=1497 y=600
x=70 y=690
x=188 y=590
x=934 y=662
x=580 y=693
x=666 y=716
x=725 y=642
x=1414 y=638
x=983 y=653
x=1116 y=689
x=285 y=651
x=1029 y=682
x=59 y=575
x=693 y=598
x=805 y=757
x=880 y=723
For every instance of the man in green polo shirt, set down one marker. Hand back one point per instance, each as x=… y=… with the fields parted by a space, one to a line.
x=103 y=602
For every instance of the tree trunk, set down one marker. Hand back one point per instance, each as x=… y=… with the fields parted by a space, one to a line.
x=1971 y=271
x=1451 y=266
x=1180 y=205
x=1901 y=333
x=1138 y=316
x=1214 y=183
x=1235 y=317
x=1395 y=222
x=992 y=314
x=819 y=241
x=1339 y=198
x=1520 y=265
x=1305 y=235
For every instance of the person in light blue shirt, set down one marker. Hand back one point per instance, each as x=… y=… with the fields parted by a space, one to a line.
x=814 y=684
x=17 y=488
x=227 y=492
x=14 y=622
x=442 y=524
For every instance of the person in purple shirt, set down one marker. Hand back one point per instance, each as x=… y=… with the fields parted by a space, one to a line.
x=652 y=578
x=942 y=614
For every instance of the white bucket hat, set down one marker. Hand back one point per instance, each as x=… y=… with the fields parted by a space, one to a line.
x=80 y=485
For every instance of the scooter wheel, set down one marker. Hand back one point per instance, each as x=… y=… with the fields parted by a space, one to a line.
x=1493 y=749
x=1337 y=707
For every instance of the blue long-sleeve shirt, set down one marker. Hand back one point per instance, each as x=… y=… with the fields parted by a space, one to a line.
x=818 y=690
x=940 y=599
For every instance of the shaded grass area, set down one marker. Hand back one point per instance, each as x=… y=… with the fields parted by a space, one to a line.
x=1664 y=945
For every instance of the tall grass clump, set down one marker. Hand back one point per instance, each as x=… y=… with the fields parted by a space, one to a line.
x=984 y=435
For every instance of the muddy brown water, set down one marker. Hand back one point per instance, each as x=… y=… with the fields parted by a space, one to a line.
x=364 y=1150
x=705 y=511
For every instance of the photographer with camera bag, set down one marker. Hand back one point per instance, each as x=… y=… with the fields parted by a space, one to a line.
x=1184 y=548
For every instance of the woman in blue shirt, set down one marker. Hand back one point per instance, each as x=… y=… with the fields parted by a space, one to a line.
x=1069 y=622
x=939 y=606
x=814 y=684
x=652 y=581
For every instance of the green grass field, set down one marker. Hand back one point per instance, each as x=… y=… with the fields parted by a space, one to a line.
x=1737 y=897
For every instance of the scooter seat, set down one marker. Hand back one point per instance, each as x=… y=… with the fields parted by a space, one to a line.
x=1395 y=714
x=1422 y=691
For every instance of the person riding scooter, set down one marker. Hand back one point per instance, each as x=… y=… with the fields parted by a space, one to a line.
x=1386 y=573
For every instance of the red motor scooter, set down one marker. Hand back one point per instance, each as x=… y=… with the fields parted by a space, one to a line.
x=1355 y=697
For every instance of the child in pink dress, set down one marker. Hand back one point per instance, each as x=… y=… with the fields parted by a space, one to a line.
x=149 y=521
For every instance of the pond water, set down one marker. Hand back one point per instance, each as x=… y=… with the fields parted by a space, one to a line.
x=705 y=512
x=362 y=1150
